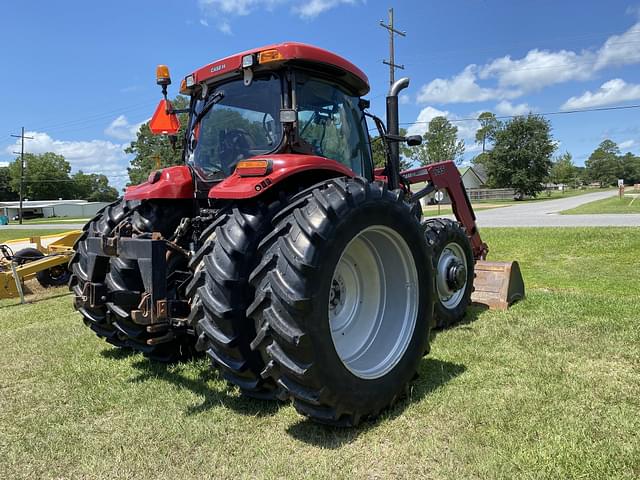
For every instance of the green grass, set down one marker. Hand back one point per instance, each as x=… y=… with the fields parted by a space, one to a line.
x=548 y=389
x=626 y=204
x=7 y=233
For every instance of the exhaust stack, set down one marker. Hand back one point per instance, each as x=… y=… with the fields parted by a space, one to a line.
x=393 y=128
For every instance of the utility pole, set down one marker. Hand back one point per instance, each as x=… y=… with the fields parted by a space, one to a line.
x=391 y=62
x=21 y=153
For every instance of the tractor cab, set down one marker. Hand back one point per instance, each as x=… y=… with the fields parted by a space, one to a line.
x=289 y=98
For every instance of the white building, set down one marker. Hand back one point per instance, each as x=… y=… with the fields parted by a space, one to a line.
x=52 y=208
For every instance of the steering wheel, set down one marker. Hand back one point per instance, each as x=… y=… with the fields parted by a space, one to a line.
x=237 y=144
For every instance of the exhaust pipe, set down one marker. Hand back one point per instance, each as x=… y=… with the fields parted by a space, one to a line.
x=393 y=128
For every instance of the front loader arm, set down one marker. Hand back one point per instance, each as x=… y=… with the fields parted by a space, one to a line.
x=445 y=175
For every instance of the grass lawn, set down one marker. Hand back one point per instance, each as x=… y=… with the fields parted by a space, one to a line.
x=626 y=204
x=549 y=389
x=7 y=233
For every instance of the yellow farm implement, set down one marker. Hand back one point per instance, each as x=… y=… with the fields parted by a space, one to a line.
x=42 y=257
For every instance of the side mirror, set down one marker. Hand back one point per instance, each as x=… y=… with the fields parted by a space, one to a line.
x=164 y=120
x=414 y=140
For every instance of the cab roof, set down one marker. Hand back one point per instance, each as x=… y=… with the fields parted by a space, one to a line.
x=301 y=54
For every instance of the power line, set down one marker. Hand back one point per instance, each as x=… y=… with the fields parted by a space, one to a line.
x=96 y=116
x=543 y=114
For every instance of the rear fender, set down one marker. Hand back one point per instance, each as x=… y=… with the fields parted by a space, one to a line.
x=283 y=167
x=168 y=183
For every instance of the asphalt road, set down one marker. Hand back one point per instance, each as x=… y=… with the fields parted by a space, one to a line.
x=544 y=213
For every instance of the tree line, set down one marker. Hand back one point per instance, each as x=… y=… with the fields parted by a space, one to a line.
x=47 y=176
x=519 y=154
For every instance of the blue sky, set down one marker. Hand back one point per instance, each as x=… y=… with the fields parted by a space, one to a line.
x=79 y=75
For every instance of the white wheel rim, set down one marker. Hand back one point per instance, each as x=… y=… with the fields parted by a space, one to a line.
x=449 y=297
x=373 y=302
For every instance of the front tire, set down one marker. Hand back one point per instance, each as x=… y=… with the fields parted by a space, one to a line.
x=343 y=300
x=453 y=264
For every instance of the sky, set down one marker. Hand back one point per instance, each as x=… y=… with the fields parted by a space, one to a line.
x=80 y=75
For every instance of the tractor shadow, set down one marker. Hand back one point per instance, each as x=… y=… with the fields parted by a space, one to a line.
x=117 y=353
x=473 y=313
x=432 y=374
x=208 y=384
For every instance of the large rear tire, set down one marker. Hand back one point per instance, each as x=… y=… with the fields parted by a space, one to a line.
x=343 y=300
x=86 y=269
x=453 y=264
x=223 y=265
x=126 y=287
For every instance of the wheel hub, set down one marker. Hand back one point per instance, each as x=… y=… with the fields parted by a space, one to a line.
x=337 y=295
x=372 y=302
x=451 y=275
x=456 y=275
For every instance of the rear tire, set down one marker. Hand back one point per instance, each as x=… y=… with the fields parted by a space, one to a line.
x=342 y=351
x=125 y=282
x=451 y=250
x=84 y=269
x=224 y=264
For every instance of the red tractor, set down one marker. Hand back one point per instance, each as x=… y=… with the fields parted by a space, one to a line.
x=278 y=249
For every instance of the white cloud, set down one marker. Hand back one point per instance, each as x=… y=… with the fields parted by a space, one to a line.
x=121 y=129
x=424 y=117
x=313 y=8
x=466 y=128
x=204 y=23
x=237 y=7
x=620 y=50
x=461 y=88
x=611 y=92
x=507 y=108
x=225 y=27
x=627 y=144
x=539 y=68
x=92 y=156
x=304 y=9
x=510 y=78
x=404 y=99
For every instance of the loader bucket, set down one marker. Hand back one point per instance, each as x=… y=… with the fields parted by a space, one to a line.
x=497 y=284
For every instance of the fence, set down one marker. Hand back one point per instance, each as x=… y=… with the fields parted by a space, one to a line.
x=476 y=194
